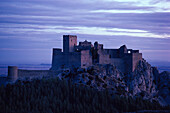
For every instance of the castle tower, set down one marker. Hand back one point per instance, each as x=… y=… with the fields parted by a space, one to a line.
x=69 y=41
x=12 y=73
x=57 y=58
x=122 y=50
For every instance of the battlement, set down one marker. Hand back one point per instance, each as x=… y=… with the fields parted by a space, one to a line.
x=83 y=55
x=56 y=50
x=85 y=43
x=83 y=46
x=86 y=54
x=98 y=46
x=14 y=73
x=69 y=36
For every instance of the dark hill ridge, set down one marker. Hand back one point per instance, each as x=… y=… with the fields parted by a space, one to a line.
x=145 y=81
x=56 y=96
x=98 y=88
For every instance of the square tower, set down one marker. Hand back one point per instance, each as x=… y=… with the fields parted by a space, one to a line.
x=69 y=42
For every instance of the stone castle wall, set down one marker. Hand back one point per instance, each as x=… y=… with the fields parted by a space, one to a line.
x=69 y=42
x=14 y=73
x=70 y=59
x=114 y=53
x=131 y=60
x=74 y=59
x=136 y=58
x=86 y=58
x=78 y=56
x=33 y=73
x=67 y=59
x=104 y=58
x=84 y=55
x=58 y=59
x=128 y=63
x=118 y=63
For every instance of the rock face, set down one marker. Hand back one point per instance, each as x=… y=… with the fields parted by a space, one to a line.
x=142 y=80
x=99 y=77
x=145 y=81
x=164 y=86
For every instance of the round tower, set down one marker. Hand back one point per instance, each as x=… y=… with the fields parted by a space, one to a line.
x=12 y=73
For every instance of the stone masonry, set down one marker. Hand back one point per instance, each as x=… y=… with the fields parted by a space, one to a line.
x=86 y=54
x=83 y=55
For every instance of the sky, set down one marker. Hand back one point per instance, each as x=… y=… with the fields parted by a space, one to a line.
x=29 y=29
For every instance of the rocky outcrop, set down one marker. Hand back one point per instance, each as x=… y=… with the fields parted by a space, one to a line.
x=163 y=85
x=145 y=81
x=99 y=77
x=142 y=80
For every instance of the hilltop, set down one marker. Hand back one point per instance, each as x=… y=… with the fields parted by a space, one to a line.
x=145 y=81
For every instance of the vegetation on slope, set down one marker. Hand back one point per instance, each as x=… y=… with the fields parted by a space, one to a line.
x=54 y=96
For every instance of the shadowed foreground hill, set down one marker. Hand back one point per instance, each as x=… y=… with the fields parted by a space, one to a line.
x=54 y=96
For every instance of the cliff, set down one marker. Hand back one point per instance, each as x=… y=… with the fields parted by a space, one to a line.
x=145 y=81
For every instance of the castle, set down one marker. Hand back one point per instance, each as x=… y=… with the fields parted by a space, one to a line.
x=86 y=54
x=83 y=55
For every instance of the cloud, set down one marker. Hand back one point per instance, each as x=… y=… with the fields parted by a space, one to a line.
x=17 y=49
x=135 y=22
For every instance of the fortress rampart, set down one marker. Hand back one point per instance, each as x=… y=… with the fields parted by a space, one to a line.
x=83 y=55
x=33 y=73
x=14 y=73
x=63 y=60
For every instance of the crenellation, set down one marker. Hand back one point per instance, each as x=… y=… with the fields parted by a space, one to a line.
x=85 y=54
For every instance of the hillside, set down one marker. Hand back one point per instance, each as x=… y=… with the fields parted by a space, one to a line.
x=54 y=96
x=145 y=81
x=98 y=88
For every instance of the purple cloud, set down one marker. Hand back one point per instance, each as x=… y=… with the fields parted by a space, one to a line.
x=36 y=22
